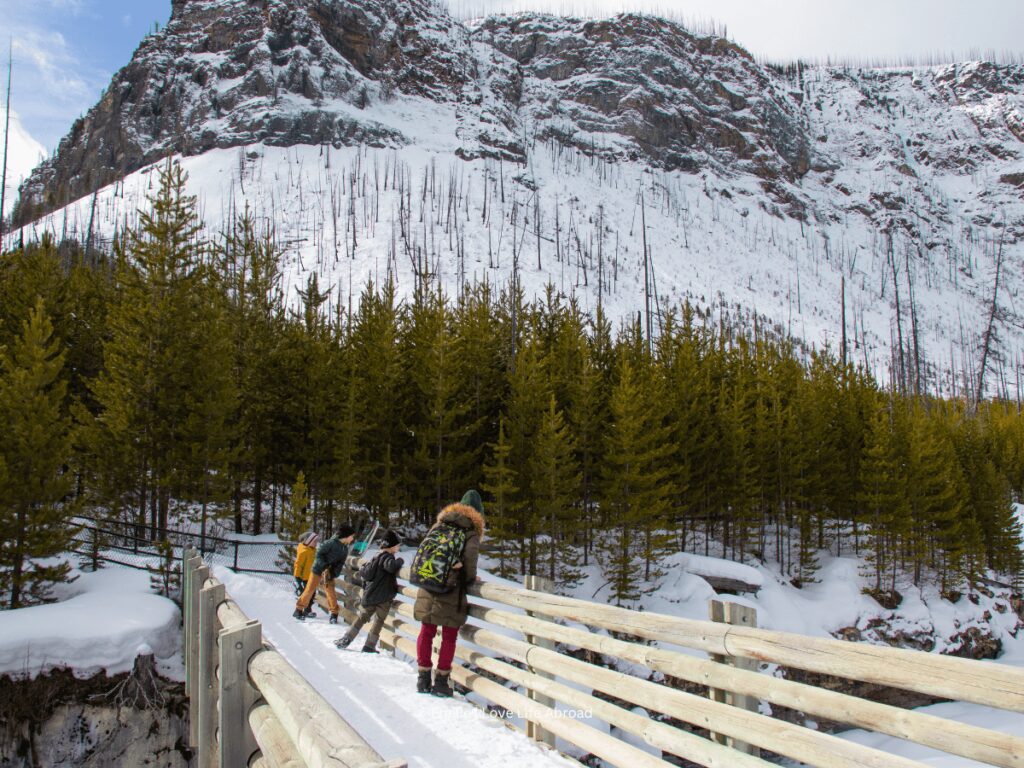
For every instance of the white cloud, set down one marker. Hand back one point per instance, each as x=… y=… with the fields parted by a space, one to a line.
x=51 y=82
x=23 y=154
x=70 y=6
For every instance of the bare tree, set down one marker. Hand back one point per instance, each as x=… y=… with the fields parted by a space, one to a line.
x=986 y=341
x=7 y=134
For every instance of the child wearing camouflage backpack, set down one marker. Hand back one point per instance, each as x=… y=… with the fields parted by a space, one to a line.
x=441 y=600
x=380 y=585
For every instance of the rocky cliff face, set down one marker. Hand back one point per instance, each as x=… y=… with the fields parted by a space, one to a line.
x=227 y=73
x=641 y=87
x=58 y=720
x=233 y=72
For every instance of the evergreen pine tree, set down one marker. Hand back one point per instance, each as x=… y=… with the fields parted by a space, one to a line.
x=883 y=504
x=636 y=484
x=250 y=272
x=34 y=453
x=150 y=357
x=165 y=577
x=500 y=484
x=380 y=375
x=555 y=480
x=294 y=522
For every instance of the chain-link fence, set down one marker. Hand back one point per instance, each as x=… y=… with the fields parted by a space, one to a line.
x=146 y=546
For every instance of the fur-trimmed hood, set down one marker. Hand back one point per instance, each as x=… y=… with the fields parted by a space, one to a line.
x=463 y=516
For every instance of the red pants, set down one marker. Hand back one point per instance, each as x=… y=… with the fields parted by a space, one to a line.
x=425 y=647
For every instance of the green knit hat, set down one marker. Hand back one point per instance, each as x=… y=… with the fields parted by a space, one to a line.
x=472 y=499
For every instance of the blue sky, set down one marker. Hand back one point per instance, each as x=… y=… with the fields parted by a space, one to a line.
x=65 y=51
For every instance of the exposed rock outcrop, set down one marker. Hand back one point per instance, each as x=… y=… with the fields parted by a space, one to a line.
x=58 y=720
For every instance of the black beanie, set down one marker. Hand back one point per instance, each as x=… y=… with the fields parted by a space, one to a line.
x=389 y=540
x=344 y=531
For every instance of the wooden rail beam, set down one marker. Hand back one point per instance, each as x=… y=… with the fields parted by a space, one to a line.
x=323 y=738
x=657 y=734
x=276 y=748
x=968 y=741
x=994 y=685
x=605 y=746
x=804 y=744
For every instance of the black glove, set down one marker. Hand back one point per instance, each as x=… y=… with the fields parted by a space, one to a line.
x=300 y=586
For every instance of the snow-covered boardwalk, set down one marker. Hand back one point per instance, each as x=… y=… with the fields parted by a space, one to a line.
x=376 y=693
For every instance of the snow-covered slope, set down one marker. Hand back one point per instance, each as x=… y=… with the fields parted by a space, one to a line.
x=23 y=154
x=384 y=136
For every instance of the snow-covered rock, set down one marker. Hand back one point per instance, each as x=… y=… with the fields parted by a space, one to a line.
x=102 y=622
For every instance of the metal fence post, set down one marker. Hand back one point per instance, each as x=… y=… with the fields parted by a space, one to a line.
x=533 y=729
x=237 y=694
x=739 y=615
x=206 y=711
x=199 y=576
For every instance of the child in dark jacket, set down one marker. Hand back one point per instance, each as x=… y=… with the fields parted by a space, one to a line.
x=329 y=561
x=379 y=590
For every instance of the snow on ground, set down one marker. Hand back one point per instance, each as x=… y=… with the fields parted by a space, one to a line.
x=834 y=602
x=377 y=695
x=103 y=620
x=971 y=714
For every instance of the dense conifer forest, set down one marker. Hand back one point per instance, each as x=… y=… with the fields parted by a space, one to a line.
x=170 y=379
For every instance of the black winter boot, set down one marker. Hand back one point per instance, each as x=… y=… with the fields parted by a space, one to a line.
x=423 y=681
x=309 y=613
x=334 y=618
x=342 y=642
x=299 y=615
x=370 y=646
x=441 y=687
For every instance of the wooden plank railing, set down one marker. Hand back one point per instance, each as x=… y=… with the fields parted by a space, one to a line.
x=247 y=705
x=550 y=677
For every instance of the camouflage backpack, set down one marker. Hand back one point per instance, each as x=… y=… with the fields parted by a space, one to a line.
x=436 y=558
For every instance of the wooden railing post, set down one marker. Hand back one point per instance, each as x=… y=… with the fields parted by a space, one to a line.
x=237 y=694
x=533 y=729
x=739 y=615
x=198 y=573
x=186 y=580
x=205 y=708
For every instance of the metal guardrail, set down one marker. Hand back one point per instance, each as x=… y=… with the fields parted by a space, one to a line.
x=248 y=706
x=136 y=546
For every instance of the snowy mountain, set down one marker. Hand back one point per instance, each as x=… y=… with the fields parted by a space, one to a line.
x=384 y=137
x=23 y=154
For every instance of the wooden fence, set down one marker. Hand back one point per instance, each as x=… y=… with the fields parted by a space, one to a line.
x=504 y=651
x=247 y=705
